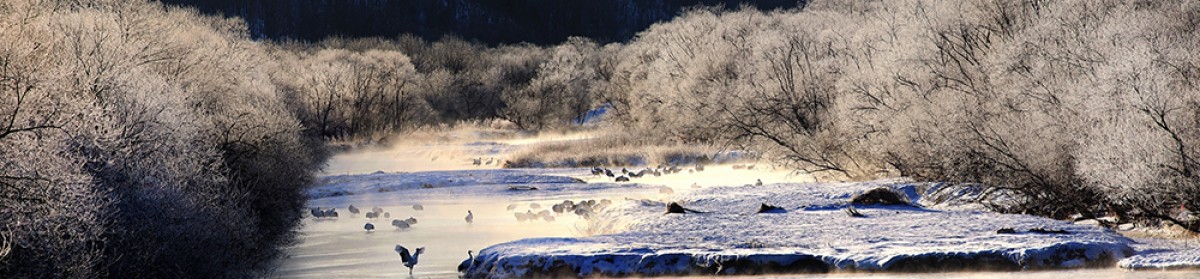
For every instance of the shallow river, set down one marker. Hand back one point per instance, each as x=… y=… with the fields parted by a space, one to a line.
x=341 y=248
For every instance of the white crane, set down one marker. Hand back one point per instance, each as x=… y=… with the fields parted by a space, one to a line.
x=409 y=260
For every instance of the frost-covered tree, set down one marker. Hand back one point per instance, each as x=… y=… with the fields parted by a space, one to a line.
x=139 y=139
x=562 y=90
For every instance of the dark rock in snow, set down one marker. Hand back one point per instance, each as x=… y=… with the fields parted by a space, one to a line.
x=1048 y=231
x=879 y=196
x=853 y=212
x=676 y=208
x=766 y=208
x=522 y=188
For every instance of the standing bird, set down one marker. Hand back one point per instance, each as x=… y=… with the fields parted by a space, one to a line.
x=400 y=224
x=758 y=183
x=418 y=207
x=369 y=227
x=470 y=217
x=409 y=260
x=353 y=210
x=466 y=265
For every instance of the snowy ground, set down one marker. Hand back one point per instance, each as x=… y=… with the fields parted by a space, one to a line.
x=814 y=235
x=950 y=231
x=1164 y=254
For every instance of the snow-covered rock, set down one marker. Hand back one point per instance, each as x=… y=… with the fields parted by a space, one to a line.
x=814 y=235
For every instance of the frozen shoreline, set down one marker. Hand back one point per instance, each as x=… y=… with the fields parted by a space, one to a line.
x=814 y=235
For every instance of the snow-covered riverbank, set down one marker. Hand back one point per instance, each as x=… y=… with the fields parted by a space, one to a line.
x=813 y=235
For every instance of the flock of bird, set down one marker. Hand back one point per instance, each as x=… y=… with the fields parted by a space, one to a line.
x=375 y=213
x=409 y=258
x=626 y=175
x=582 y=208
x=480 y=161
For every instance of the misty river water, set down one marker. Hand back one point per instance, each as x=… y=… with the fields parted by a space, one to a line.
x=341 y=248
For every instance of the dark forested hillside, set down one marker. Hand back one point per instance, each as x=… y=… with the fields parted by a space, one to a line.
x=490 y=21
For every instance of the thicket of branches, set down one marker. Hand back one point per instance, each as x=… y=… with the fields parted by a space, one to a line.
x=1083 y=107
x=139 y=140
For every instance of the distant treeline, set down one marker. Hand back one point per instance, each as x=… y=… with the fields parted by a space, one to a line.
x=488 y=21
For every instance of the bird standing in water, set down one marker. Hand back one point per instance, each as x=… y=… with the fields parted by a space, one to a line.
x=409 y=260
